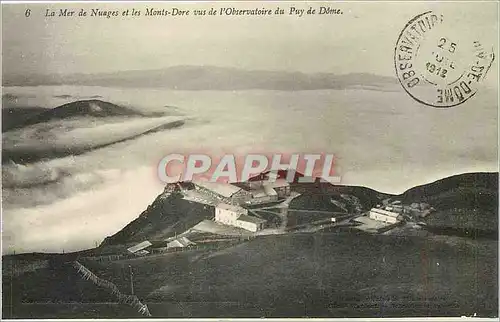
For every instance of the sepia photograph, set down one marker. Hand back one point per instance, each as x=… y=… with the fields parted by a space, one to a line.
x=249 y=159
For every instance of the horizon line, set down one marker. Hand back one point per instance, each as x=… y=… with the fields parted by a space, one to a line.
x=235 y=68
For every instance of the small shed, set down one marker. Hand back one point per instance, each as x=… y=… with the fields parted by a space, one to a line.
x=180 y=242
x=139 y=247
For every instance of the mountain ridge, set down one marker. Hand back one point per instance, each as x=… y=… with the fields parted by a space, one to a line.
x=187 y=77
x=162 y=206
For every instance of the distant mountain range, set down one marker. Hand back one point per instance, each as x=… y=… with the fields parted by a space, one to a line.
x=206 y=78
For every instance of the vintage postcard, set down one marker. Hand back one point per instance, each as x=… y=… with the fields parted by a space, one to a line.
x=249 y=159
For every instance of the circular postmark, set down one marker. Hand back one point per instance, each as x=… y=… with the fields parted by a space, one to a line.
x=439 y=64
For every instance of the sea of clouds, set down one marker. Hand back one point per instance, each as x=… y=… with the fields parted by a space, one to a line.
x=382 y=139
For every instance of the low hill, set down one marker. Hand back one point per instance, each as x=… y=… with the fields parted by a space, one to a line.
x=74 y=128
x=467 y=201
x=323 y=192
x=96 y=108
x=487 y=181
x=14 y=117
x=83 y=108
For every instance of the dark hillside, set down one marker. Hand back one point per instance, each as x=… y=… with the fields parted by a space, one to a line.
x=467 y=202
x=58 y=292
x=321 y=275
x=367 y=197
x=321 y=202
x=168 y=215
x=481 y=182
x=14 y=117
x=84 y=108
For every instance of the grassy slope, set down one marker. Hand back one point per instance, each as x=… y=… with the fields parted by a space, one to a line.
x=319 y=202
x=289 y=275
x=321 y=275
x=58 y=292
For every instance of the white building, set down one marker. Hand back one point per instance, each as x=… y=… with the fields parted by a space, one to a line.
x=228 y=214
x=237 y=216
x=250 y=223
x=384 y=215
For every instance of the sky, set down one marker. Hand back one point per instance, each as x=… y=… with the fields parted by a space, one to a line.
x=360 y=40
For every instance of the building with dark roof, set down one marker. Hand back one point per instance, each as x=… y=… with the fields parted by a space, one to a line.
x=225 y=192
